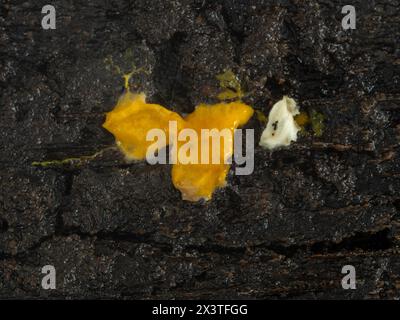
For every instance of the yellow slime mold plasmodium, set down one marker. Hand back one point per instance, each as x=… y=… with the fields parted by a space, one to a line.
x=198 y=181
x=133 y=118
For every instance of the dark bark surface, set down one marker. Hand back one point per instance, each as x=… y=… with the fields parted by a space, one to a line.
x=113 y=229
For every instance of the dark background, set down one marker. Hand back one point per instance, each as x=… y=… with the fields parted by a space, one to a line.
x=113 y=229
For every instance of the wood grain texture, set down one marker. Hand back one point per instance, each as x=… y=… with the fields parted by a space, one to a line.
x=118 y=230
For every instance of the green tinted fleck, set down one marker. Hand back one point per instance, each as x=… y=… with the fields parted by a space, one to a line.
x=317 y=123
x=231 y=85
x=261 y=117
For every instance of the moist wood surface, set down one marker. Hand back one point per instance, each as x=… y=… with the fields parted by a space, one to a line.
x=113 y=229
